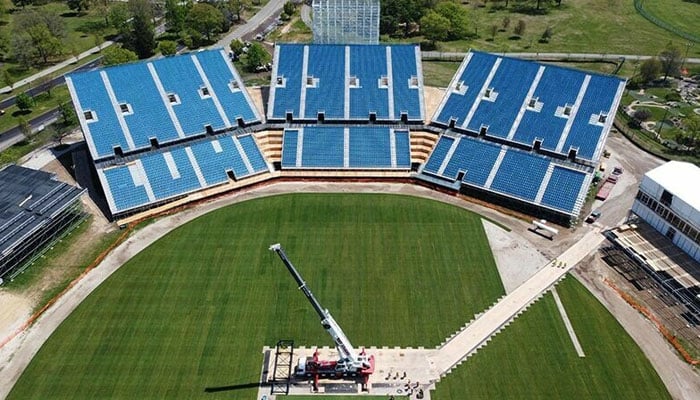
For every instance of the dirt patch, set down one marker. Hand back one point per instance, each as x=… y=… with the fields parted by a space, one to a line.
x=16 y=309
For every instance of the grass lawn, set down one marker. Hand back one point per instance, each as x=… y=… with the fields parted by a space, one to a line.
x=534 y=357
x=582 y=26
x=683 y=15
x=43 y=102
x=193 y=311
x=80 y=34
x=439 y=73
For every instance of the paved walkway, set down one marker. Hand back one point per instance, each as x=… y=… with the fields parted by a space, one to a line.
x=265 y=13
x=478 y=332
x=54 y=68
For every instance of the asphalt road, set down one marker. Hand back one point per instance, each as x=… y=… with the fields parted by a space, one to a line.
x=267 y=13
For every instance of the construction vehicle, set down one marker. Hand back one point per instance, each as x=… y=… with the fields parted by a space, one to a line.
x=350 y=364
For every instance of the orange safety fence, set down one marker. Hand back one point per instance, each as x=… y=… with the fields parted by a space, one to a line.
x=671 y=338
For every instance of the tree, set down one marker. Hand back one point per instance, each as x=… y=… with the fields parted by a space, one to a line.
x=142 y=39
x=78 y=5
x=22 y=3
x=23 y=50
x=24 y=101
x=289 y=8
x=519 y=29
x=237 y=46
x=205 y=19
x=257 y=57
x=649 y=69
x=459 y=20
x=176 y=14
x=670 y=59
x=167 y=47
x=30 y=18
x=402 y=14
x=506 y=21
x=24 y=127
x=494 y=30
x=45 y=44
x=7 y=78
x=434 y=27
x=236 y=6
x=68 y=116
x=119 y=17
x=641 y=114
x=546 y=35
x=114 y=55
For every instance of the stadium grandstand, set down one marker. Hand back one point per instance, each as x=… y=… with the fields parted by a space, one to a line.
x=523 y=134
x=35 y=210
x=160 y=130
x=518 y=133
x=346 y=83
x=343 y=147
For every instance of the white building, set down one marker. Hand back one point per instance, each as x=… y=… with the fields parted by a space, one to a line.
x=345 y=21
x=669 y=200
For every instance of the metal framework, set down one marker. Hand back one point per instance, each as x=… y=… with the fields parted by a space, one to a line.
x=346 y=21
x=282 y=370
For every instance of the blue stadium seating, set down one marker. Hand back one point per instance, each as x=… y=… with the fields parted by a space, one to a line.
x=323 y=147
x=179 y=76
x=125 y=193
x=214 y=63
x=500 y=114
x=520 y=174
x=368 y=64
x=403 y=149
x=214 y=165
x=162 y=182
x=475 y=158
x=557 y=88
x=289 y=148
x=457 y=105
x=289 y=66
x=105 y=132
x=253 y=153
x=563 y=188
x=150 y=117
x=438 y=155
x=370 y=147
x=403 y=65
x=599 y=97
x=329 y=95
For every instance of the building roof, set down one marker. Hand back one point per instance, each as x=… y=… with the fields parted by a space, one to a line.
x=29 y=200
x=680 y=179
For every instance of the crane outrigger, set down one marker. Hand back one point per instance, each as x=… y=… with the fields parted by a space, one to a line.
x=350 y=364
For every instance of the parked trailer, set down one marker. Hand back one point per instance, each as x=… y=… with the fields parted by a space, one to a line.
x=606 y=188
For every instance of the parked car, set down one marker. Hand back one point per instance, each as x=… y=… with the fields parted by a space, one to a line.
x=593 y=217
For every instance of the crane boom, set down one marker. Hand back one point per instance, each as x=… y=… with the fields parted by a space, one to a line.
x=349 y=359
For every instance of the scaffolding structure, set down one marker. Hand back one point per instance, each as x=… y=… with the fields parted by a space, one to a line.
x=346 y=21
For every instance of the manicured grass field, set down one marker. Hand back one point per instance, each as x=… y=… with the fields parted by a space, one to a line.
x=534 y=358
x=193 y=311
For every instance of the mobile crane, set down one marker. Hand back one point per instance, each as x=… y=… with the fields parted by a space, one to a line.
x=350 y=364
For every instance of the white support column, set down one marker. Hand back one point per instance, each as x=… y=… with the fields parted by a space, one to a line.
x=346 y=95
x=300 y=147
x=166 y=101
x=207 y=84
x=484 y=87
x=523 y=107
x=346 y=147
x=273 y=84
x=243 y=154
x=456 y=78
x=448 y=156
x=138 y=175
x=392 y=147
x=496 y=166
x=304 y=75
x=574 y=111
x=544 y=183
x=117 y=110
x=195 y=166
x=390 y=78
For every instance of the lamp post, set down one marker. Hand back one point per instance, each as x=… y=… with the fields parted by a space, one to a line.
x=687 y=48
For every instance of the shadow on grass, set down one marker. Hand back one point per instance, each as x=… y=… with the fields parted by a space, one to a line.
x=228 y=388
x=20 y=113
